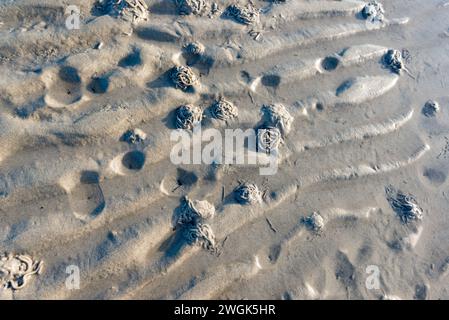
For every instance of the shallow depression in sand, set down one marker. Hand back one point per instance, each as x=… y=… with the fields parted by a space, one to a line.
x=66 y=91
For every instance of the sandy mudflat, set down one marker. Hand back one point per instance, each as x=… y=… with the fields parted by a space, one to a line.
x=87 y=183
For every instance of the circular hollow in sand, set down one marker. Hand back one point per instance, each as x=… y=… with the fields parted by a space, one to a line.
x=330 y=63
x=188 y=116
x=187 y=7
x=224 y=110
x=268 y=139
x=271 y=80
x=134 y=160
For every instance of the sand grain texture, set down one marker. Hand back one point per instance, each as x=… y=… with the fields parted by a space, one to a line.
x=86 y=178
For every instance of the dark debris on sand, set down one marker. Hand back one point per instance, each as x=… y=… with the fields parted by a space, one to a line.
x=405 y=205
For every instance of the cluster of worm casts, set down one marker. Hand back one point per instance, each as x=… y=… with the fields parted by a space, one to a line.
x=16 y=270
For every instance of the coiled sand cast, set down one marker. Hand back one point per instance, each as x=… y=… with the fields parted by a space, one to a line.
x=188 y=116
x=16 y=270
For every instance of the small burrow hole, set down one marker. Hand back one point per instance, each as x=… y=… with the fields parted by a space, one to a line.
x=134 y=160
